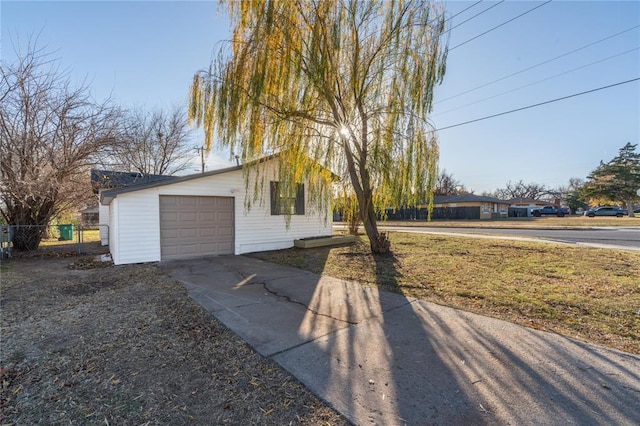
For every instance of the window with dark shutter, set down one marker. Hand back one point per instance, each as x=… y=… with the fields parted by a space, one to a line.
x=299 y=206
x=283 y=202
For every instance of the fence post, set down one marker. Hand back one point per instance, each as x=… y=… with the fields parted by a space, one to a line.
x=10 y=231
x=5 y=245
x=2 y=234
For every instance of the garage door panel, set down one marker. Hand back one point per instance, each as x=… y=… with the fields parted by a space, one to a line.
x=208 y=232
x=168 y=201
x=207 y=216
x=188 y=217
x=208 y=202
x=225 y=232
x=186 y=233
x=169 y=216
x=171 y=233
x=192 y=226
x=193 y=248
x=226 y=247
x=169 y=250
x=187 y=202
x=225 y=216
x=209 y=247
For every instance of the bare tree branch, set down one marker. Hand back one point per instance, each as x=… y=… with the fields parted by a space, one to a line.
x=151 y=143
x=50 y=133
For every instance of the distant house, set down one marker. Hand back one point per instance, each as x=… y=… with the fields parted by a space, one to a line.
x=89 y=216
x=107 y=179
x=521 y=207
x=468 y=206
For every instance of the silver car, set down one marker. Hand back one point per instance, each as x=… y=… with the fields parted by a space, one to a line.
x=606 y=211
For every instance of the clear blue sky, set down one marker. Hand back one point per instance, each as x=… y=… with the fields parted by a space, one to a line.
x=145 y=53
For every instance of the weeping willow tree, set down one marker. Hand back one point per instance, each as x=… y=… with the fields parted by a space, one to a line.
x=343 y=85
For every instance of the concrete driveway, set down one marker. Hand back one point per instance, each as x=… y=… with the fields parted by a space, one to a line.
x=382 y=358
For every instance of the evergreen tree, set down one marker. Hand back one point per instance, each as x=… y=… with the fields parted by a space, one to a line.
x=618 y=180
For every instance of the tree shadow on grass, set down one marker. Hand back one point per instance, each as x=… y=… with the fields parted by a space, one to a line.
x=387 y=268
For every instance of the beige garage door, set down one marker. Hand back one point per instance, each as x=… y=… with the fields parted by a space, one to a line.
x=195 y=226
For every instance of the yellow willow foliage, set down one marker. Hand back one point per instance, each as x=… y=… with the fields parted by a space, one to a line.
x=340 y=85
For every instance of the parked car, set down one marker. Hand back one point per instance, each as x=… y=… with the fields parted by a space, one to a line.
x=550 y=211
x=606 y=211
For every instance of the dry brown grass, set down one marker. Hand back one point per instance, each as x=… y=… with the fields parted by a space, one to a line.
x=127 y=346
x=587 y=293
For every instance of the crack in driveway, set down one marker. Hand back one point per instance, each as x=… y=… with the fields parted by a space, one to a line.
x=288 y=299
x=313 y=311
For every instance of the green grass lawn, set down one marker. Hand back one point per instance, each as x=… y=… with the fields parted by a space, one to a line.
x=588 y=293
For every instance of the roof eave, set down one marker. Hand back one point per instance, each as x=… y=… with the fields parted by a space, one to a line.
x=106 y=196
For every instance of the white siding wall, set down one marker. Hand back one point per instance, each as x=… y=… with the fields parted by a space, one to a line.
x=103 y=221
x=137 y=223
x=138 y=227
x=113 y=231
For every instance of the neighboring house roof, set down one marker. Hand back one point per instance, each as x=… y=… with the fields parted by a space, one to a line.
x=467 y=198
x=90 y=210
x=526 y=201
x=101 y=179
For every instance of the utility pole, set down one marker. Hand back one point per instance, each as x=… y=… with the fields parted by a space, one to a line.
x=237 y=157
x=201 y=151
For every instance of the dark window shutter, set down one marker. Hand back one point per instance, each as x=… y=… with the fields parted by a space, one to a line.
x=300 y=200
x=274 y=198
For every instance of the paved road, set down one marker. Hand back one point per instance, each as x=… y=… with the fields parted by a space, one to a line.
x=611 y=237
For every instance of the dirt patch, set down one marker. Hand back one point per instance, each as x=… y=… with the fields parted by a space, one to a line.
x=126 y=345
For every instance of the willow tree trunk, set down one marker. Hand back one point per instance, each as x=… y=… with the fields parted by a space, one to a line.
x=378 y=241
x=364 y=194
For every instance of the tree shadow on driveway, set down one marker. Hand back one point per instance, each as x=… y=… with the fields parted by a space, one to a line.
x=380 y=357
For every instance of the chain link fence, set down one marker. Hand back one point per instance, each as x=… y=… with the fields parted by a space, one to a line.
x=54 y=240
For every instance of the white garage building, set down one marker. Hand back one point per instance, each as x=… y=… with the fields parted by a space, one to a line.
x=204 y=215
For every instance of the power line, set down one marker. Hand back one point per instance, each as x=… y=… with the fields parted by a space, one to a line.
x=538 y=104
x=465 y=9
x=538 y=65
x=474 y=16
x=539 y=81
x=500 y=25
x=461 y=12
